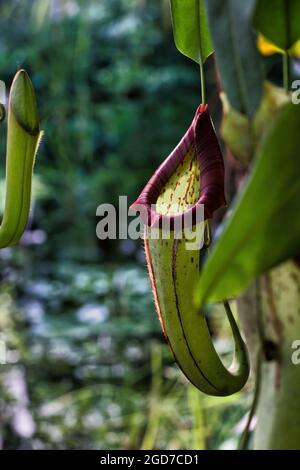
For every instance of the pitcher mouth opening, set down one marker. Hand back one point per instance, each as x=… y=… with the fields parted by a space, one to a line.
x=202 y=135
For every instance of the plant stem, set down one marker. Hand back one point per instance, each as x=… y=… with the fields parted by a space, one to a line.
x=286 y=71
x=245 y=437
x=202 y=79
x=201 y=61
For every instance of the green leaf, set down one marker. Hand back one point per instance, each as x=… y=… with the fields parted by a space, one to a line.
x=243 y=135
x=264 y=229
x=190 y=29
x=278 y=21
x=237 y=56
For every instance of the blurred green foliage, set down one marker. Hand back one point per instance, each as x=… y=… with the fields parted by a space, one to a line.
x=87 y=365
x=108 y=77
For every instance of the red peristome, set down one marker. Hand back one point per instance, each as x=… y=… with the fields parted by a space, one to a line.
x=201 y=133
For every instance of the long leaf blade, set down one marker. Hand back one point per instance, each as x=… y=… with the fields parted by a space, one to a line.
x=237 y=55
x=278 y=21
x=264 y=229
x=191 y=33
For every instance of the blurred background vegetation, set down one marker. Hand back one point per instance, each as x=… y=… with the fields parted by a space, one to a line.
x=87 y=365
